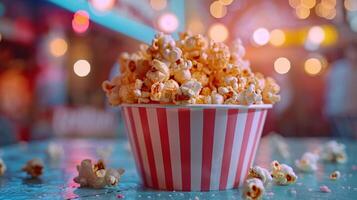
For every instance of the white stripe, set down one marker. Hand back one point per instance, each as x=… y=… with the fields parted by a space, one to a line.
x=252 y=133
x=174 y=138
x=156 y=144
x=237 y=143
x=141 y=140
x=131 y=139
x=196 y=148
x=218 y=147
x=260 y=132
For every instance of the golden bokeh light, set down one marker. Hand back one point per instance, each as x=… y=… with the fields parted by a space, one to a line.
x=226 y=2
x=302 y=12
x=328 y=3
x=218 y=32
x=158 y=4
x=282 y=65
x=277 y=37
x=196 y=26
x=313 y=66
x=217 y=9
x=308 y=3
x=294 y=3
x=58 y=47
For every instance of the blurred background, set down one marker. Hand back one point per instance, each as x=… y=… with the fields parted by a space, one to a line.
x=54 y=55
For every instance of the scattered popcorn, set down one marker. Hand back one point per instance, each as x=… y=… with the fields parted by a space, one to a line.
x=34 y=168
x=308 y=162
x=333 y=151
x=282 y=174
x=2 y=167
x=97 y=176
x=325 y=189
x=335 y=175
x=54 y=151
x=191 y=70
x=261 y=173
x=253 y=189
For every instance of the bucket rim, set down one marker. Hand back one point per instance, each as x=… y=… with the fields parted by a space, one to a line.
x=200 y=106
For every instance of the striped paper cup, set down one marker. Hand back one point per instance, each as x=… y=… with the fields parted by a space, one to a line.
x=196 y=147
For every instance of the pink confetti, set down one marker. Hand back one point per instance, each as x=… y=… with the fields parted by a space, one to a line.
x=120 y=196
x=324 y=188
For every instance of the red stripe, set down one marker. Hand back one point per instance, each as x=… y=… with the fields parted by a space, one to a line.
x=185 y=147
x=256 y=138
x=247 y=128
x=228 y=144
x=207 y=147
x=135 y=137
x=149 y=148
x=165 y=145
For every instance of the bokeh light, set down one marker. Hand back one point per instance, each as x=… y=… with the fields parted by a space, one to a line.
x=302 y=12
x=218 y=32
x=0 y=37
x=226 y=2
x=58 y=47
x=196 y=26
x=350 y=5
x=103 y=5
x=81 y=68
x=313 y=66
x=308 y=3
x=277 y=37
x=294 y=3
x=217 y=9
x=316 y=35
x=282 y=65
x=261 y=36
x=168 y=22
x=158 y=4
x=80 y=22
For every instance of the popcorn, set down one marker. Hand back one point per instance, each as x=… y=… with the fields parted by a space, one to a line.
x=253 y=189
x=2 y=167
x=325 y=189
x=97 y=176
x=34 y=168
x=282 y=174
x=54 y=151
x=333 y=151
x=335 y=175
x=308 y=162
x=260 y=173
x=160 y=72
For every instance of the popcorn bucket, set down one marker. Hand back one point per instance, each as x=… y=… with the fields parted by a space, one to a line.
x=194 y=147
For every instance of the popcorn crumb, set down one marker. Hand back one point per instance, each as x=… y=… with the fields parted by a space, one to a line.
x=253 y=189
x=96 y=175
x=334 y=152
x=308 y=162
x=2 y=167
x=55 y=151
x=325 y=189
x=282 y=174
x=261 y=173
x=335 y=175
x=34 y=168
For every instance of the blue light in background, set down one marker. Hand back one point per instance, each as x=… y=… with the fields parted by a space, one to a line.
x=2 y=9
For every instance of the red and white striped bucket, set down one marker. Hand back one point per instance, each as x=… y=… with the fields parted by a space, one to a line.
x=194 y=148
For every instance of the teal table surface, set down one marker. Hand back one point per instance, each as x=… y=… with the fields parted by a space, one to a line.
x=57 y=180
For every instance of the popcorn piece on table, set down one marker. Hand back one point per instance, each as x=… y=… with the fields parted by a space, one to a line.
x=325 y=189
x=260 y=173
x=308 y=162
x=34 y=168
x=282 y=174
x=2 y=167
x=335 y=175
x=97 y=176
x=55 y=151
x=333 y=151
x=253 y=189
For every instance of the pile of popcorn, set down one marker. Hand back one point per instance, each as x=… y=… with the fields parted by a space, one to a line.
x=191 y=70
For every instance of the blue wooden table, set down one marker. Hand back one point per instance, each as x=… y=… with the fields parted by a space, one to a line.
x=57 y=180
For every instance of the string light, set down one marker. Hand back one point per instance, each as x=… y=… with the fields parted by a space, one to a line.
x=103 y=5
x=316 y=35
x=226 y=2
x=158 y=4
x=218 y=32
x=81 y=68
x=217 y=9
x=302 y=12
x=261 y=36
x=58 y=47
x=313 y=66
x=277 y=37
x=80 y=22
x=282 y=65
x=168 y=22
